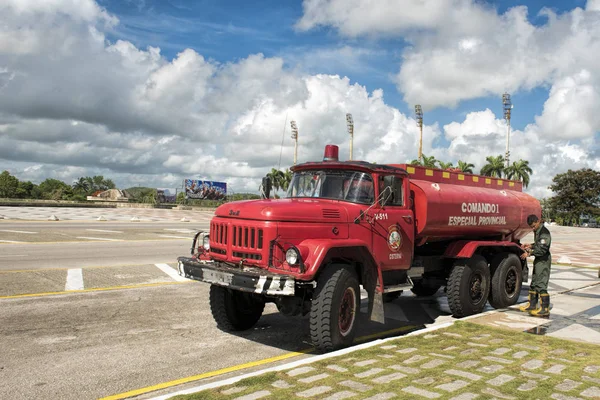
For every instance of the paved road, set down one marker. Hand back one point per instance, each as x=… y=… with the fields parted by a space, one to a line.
x=81 y=255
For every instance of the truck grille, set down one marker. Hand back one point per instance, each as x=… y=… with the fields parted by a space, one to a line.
x=247 y=237
x=243 y=242
x=218 y=233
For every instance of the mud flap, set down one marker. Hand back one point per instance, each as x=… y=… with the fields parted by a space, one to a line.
x=377 y=313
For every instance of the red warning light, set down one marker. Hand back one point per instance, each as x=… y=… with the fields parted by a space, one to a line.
x=331 y=153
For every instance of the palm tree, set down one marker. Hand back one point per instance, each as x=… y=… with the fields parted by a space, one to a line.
x=425 y=161
x=519 y=170
x=277 y=178
x=494 y=167
x=81 y=185
x=465 y=167
x=287 y=179
x=444 y=165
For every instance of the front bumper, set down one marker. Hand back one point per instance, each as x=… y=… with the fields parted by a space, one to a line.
x=251 y=280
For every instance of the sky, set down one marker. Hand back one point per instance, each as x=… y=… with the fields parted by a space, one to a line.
x=151 y=92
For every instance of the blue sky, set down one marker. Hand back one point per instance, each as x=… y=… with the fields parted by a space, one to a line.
x=229 y=30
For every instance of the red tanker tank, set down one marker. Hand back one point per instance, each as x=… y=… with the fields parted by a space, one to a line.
x=453 y=205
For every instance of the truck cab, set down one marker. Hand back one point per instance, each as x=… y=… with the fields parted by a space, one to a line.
x=341 y=225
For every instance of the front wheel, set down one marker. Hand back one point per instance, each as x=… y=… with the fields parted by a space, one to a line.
x=234 y=310
x=334 y=309
x=506 y=280
x=468 y=286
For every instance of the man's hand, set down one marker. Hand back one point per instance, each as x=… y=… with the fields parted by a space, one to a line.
x=526 y=246
x=524 y=256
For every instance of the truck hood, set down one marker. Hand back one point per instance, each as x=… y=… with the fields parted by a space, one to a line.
x=288 y=210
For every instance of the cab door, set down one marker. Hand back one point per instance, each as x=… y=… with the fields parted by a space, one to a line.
x=393 y=224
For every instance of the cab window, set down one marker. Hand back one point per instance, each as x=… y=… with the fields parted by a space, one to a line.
x=391 y=188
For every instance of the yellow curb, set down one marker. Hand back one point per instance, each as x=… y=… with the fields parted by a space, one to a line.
x=211 y=374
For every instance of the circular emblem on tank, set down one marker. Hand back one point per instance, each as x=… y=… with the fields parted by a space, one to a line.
x=394 y=238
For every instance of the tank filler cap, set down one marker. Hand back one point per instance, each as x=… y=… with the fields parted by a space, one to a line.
x=503 y=192
x=331 y=153
x=435 y=186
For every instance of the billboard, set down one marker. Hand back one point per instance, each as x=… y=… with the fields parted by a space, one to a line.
x=166 y=195
x=205 y=190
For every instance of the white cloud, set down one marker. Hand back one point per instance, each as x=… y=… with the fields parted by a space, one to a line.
x=571 y=111
x=389 y=17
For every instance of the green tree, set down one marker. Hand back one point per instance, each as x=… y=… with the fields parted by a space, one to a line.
x=494 y=166
x=287 y=179
x=465 y=167
x=8 y=185
x=445 y=165
x=577 y=194
x=429 y=162
x=82 y=185
x=53 y=189
x=277 y=178
x=27 y=190
x=520 y=171
x=180 y=198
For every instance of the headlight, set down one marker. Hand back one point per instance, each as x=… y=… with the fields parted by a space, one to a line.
x=292 y=256
x=206 y=243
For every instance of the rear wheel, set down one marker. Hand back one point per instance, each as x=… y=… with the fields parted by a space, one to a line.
x=234 y=310
x=507 y=280
x=468 y=286
x=422 y=289
x=334 y=309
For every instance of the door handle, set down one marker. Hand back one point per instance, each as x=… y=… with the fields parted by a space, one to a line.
x=407 y=218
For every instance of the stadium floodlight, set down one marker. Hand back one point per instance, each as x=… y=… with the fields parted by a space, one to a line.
x=419 y=118
x=507 y=107
x=350 y=125
x=295 y=137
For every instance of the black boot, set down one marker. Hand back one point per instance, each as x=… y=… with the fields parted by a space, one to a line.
x=544 y=310
x=532 y=303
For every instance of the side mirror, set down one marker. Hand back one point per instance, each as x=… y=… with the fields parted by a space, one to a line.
x=266 y=187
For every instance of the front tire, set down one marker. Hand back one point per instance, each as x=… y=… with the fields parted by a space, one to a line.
x=234 y=310
x=334 y=309
x=507 y=280
x=468 y=286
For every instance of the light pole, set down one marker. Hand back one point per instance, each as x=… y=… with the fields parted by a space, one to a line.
x=350 y=125
x=295 y=137
x=419 y=118
x=507 y=107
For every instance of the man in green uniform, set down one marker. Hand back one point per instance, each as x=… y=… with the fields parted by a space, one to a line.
x=540 y=249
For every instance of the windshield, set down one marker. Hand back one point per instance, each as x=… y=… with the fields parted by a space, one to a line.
x=353 y=186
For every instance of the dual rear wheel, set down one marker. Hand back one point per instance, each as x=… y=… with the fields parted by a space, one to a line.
x=472 y=283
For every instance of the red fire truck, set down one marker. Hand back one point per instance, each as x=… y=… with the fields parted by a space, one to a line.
x=344 y=224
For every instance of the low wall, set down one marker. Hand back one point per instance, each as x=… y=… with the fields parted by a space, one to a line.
x=94 y=204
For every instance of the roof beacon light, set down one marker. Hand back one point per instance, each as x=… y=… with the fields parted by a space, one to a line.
x=331 y=153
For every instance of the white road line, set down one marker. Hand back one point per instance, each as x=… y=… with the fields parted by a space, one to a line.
x=74 y=279
x=171 y=272
x=102 y=230
x=9 y=241
x=179 y=230
x=95 y=238
x=176 y=237
x=6 y=230
x=14 y=255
